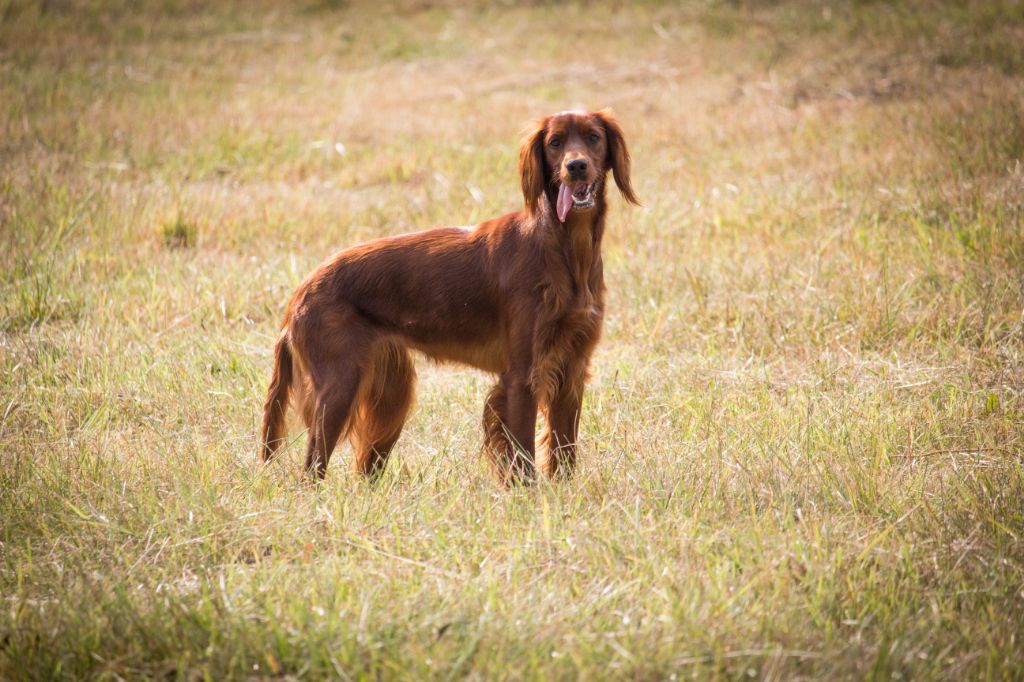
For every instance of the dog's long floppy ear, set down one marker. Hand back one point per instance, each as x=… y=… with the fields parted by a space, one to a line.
x=531 y=165
x=618 y=155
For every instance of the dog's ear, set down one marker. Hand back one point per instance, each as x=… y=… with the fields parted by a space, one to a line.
x=531 y=165
x=618 y=155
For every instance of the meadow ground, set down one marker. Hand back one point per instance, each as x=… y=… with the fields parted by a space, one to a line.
x=803 y=439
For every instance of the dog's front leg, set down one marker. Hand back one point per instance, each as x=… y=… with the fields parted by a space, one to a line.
x=522 y=424
x=510 y=417
x=563 y=421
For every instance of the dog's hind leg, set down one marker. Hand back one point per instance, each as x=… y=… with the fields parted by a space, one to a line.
x=331 y=409
x=383 y=404
x=337 y=362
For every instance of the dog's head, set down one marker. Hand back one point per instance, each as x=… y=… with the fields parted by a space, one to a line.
x=570 y=153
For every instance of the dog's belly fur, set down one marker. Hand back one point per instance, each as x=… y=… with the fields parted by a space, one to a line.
x=489 y=356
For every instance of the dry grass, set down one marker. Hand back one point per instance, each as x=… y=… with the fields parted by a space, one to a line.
x=803 y=449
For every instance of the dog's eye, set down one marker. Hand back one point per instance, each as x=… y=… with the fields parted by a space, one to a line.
x=555 y=142
x=594 y=138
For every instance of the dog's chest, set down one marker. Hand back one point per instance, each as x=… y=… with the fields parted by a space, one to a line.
x=562 y=349
x=568 y=300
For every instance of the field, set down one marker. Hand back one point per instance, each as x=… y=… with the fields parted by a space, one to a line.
x=803 y=447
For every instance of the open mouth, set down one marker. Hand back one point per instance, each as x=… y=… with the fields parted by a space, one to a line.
x=576 y=195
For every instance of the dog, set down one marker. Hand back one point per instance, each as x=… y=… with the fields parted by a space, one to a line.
x=521 y=296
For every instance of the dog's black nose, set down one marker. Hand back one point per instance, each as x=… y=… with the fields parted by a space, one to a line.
x=577 y=167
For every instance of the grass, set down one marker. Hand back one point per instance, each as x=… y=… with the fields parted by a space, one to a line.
x=803 y=438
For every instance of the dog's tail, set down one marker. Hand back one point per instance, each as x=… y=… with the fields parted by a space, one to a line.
x=277 y=399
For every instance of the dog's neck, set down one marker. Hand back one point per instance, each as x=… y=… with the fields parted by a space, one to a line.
x=580 y=237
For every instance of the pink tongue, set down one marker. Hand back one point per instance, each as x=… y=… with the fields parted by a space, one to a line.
x=564 y=202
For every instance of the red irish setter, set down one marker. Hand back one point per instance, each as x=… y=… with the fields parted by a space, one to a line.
x=521 y=296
